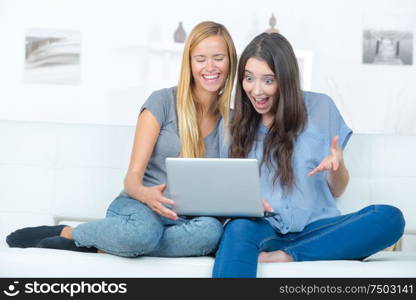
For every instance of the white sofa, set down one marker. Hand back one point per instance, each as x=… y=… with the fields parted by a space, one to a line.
x=51 y=173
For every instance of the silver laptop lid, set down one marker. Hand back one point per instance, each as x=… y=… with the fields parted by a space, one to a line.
x=214 y=187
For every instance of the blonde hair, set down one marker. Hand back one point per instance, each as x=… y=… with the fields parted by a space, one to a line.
x=192 y=142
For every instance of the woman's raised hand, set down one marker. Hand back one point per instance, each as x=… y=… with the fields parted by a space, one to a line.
x=154 y=199
x=332 y=161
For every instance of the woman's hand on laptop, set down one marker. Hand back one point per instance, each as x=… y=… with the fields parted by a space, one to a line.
x=154 y=199
x=267 y=206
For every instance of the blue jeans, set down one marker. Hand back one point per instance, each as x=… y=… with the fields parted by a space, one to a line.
x=131 y=229
x=347 y=237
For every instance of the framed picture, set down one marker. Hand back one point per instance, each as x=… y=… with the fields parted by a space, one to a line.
x=387 y=47
x=388 y=39
x=52 y=56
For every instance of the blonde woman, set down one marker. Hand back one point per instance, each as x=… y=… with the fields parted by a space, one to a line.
x=180 y=121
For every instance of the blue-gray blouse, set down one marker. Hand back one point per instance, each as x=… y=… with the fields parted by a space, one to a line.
x=310 y=199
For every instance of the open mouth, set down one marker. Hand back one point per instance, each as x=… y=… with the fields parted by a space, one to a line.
x=211 y=78
x=261 y=102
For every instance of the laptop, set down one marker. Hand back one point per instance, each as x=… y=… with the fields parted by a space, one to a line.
x=226 y=187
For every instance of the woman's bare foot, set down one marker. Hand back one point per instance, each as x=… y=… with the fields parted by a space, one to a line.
x=274 y=256
x=67 y=232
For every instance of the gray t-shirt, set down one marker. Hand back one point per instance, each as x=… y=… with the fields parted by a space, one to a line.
x=162 y=104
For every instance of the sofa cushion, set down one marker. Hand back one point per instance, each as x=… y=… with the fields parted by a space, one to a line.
x=35 y=262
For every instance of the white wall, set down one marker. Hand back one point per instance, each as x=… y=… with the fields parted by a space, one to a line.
x=118 y=74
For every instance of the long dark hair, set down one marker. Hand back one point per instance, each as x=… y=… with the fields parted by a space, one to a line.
x=289 y=109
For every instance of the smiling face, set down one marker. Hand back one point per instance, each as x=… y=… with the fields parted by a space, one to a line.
x=261 y=87
x=210 y=64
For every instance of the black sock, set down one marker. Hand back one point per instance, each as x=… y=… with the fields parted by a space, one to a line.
x=31 y=236
x=59 y=242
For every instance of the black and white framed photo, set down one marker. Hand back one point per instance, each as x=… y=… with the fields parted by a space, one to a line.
x=387 y=40
x=52 y=56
